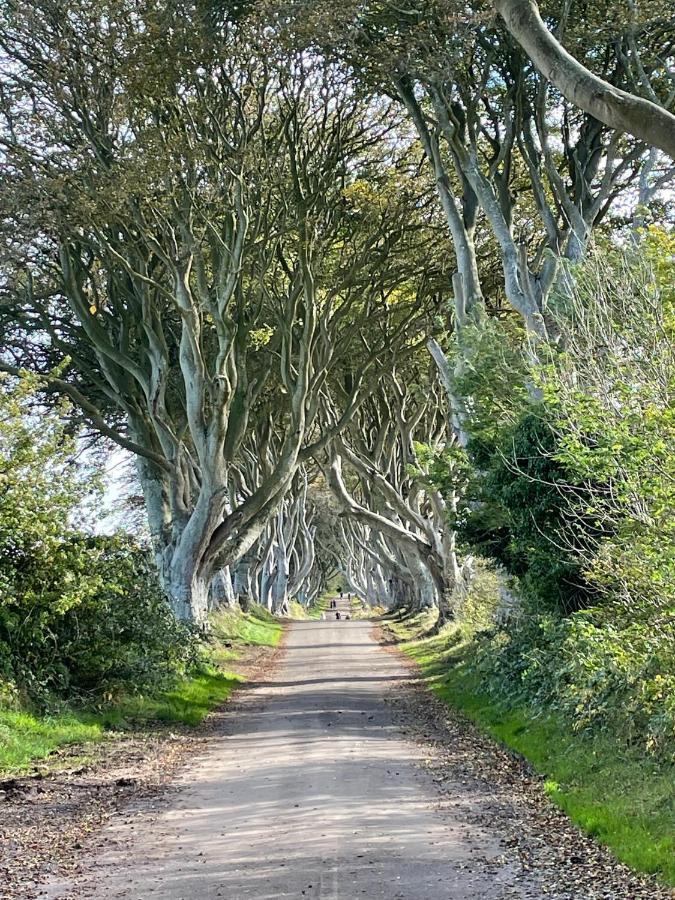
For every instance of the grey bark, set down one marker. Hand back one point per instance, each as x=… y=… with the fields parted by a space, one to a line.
x=616 y=108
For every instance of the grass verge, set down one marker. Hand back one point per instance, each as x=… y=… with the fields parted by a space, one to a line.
x=314 y=611
x=618 y=796
x=26 y=737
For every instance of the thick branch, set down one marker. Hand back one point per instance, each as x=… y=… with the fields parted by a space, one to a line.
x=619 y=110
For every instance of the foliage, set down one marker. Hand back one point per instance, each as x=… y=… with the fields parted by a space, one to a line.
x=520 y=515
x=600 y=673
x=119 y=638
x=27 y=737
x=611 y=397
x=41 y=567
x=611 y=792
x=572 y=491
x=79 y=615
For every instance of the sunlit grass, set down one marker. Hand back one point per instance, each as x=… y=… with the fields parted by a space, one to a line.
x=27 y=738
x=254 y=628
x=622 y=798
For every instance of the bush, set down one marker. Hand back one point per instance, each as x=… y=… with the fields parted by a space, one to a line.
x=80 y=616
x=601 y=672
x=519 y=514
x=121 y=637
x=572 y=490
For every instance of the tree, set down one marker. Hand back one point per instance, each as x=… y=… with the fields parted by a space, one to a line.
x=404 y=520
x=618 y=109
x=505 y=150
x=175 y=227
x=41 y=486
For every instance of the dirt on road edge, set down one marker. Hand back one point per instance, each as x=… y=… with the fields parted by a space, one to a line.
x=546 y=842
x=49 y=821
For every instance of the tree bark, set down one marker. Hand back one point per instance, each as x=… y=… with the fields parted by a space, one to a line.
x=617 y=109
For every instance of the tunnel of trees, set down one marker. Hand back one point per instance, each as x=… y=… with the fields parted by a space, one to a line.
x=369 y=294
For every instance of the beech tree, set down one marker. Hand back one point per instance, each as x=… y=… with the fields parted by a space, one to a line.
x=642 y=117
x=500 y=141
x=180 y=260
x=378 y=475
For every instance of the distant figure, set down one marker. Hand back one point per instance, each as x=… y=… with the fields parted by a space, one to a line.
x=337 y=615
x=341 y=594
x=323 y=617
x=347 y=617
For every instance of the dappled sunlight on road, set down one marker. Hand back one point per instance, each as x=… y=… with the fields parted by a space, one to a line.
x=313 y=790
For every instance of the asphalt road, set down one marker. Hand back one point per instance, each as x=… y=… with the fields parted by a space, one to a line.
x=315 y=790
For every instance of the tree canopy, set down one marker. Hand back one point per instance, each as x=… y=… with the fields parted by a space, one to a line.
x=378 y=295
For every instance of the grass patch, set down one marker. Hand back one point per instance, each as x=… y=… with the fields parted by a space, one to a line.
x=254 y=628
x=359 y=609
x=187 y=703
x=307 y=613
x=622 y=798
x=27 y=738
x=319 y=606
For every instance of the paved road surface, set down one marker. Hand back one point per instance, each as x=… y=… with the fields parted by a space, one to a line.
x=315 y=792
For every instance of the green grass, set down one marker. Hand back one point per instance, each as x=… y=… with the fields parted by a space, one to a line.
x=27 y=738
x=254 y=628
x=622 y=798
x=317 y=608
x=308 y=613
x=187 y=703
x=359 y=609
x=320 y=606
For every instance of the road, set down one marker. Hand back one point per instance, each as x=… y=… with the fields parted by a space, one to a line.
x=316 y=789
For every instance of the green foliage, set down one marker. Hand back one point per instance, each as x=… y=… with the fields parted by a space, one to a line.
x=27 y=737
x=121 y=636
x=41 y=565
x=493 y=375
x=520 y=514
x=80 y=616
x=597 y=671
x=613 y=793
x=571 y=489
x=611 y=400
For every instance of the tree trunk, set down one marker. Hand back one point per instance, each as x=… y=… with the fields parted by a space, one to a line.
x=187 y=590
x=221 y=590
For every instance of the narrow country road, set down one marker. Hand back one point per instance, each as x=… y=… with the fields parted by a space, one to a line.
x=315 y=790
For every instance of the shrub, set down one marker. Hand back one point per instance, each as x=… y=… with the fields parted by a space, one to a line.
x=80 y=616
x=601 y=671
x=520 y=515
x=572 y=490
x=121 y=637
